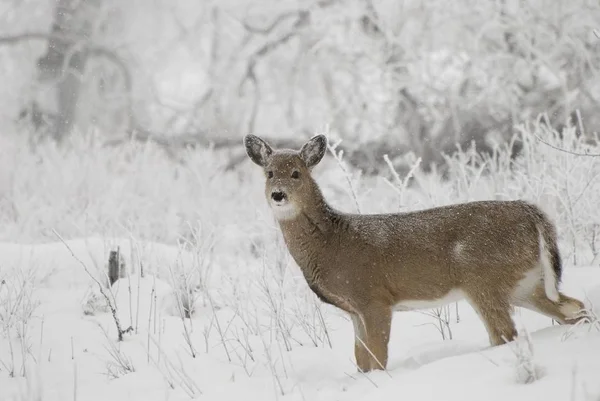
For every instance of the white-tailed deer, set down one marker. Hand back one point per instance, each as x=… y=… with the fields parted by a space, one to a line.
x=494 y=254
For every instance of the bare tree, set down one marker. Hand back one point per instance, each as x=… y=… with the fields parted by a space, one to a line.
x=61 y=68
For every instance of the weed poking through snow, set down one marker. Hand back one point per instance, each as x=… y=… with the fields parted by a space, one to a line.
x=527 y=370
x=17 y=307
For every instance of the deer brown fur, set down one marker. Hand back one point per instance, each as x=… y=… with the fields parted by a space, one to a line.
x=494 y=254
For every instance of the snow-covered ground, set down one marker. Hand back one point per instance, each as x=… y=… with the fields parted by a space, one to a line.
x=198 y=237
x=258 y=335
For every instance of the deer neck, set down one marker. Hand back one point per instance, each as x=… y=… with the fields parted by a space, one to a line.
x=307 y=232
x=314 y=213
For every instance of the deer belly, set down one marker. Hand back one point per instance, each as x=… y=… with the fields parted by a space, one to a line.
x=454 y=295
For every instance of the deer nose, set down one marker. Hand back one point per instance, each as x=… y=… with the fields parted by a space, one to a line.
x=278 y=196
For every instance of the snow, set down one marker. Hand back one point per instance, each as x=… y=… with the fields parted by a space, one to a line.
x=258 y=334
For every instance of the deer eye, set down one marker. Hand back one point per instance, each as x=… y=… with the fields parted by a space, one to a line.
x=270 y=174
x=296 y=174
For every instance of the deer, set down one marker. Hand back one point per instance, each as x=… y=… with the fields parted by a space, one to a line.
x=495 y=254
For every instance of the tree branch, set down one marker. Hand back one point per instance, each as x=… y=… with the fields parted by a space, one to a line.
x=91 y=47
x=274 y=24
x=265 y=49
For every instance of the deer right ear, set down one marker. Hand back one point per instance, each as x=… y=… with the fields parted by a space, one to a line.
x=258 y=150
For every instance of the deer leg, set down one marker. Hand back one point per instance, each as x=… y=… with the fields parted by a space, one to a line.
x=494 y=311
x=360 y=343
x=378 y=322
x=566 y=311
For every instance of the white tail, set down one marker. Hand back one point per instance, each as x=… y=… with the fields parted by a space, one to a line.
x=549 y=276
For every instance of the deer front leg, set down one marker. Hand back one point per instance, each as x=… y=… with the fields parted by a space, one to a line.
x=377 y=320
x=363 y=360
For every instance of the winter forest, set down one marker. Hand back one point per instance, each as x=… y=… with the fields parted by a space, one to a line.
x=140 y=258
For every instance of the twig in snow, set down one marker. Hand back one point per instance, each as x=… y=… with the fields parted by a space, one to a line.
x=401 y=185
x=338 y=158
x=527 y=371
x=112 y=307
x=373 y=356
x=171 y=373
x=363 y=374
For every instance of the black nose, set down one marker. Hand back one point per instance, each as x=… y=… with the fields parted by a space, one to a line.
x=278 y=196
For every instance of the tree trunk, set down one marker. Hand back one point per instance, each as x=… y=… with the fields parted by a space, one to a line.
x=61 y=68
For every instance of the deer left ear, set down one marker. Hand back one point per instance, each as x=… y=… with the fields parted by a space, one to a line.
x=313 y=151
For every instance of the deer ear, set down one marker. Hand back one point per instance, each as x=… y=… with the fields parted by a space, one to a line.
x=313 y=151
x=258 y=150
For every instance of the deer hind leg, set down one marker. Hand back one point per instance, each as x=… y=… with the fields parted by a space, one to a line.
x=363 y=360
x=566 y=311
x=377 y=323
x=494 y=310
